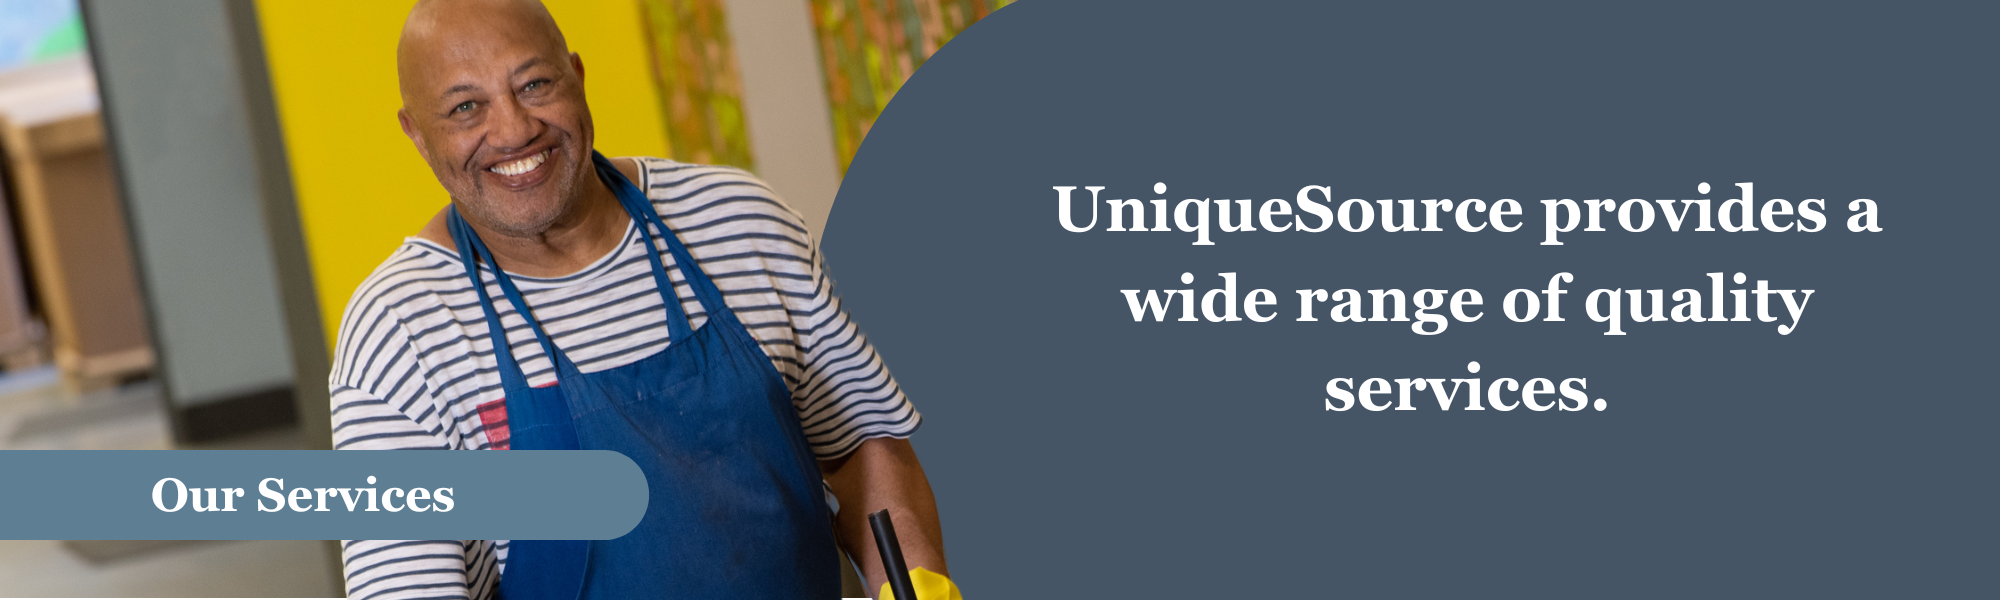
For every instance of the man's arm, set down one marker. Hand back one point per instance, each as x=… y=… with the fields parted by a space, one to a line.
x=884 y=473
x=382 y=399
x=850 y=408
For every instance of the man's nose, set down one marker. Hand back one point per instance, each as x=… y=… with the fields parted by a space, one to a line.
x=513 y=126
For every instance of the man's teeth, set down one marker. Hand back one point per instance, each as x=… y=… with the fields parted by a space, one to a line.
x=521 y=166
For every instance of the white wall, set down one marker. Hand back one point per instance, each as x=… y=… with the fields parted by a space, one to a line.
x=784 y=103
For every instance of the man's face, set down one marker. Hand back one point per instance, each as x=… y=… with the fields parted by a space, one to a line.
x=496 y=106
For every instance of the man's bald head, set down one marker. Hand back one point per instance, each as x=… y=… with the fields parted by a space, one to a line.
x=435 y=28
x=493 y=100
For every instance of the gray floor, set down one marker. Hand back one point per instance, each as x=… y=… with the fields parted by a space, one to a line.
x=35 y=414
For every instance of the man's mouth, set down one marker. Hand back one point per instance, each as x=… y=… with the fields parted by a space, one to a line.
x=524 y=165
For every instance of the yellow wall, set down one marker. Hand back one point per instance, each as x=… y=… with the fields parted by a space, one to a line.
x=360 y=185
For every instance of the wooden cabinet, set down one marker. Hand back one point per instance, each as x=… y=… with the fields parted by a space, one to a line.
x=62 y=188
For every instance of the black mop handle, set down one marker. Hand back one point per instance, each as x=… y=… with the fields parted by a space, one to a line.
x=892 y=555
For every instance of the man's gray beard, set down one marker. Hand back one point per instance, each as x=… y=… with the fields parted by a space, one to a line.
x=567 y=190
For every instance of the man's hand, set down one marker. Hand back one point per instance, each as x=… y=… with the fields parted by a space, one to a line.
x=884 y=474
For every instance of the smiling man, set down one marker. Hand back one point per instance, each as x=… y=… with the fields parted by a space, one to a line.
x=675 y=313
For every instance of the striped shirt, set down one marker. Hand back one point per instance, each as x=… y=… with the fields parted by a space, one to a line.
x=414 y=367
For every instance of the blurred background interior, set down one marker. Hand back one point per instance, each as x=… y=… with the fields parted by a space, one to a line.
x=193 y=188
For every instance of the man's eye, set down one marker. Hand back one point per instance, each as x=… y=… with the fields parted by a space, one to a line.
x=532 y=86
x=463 y=107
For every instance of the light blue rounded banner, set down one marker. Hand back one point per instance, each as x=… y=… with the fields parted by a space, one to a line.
x=318 y=495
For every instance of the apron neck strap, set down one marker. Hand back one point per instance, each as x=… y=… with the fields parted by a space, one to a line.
x=641 y=208
x=471 y=251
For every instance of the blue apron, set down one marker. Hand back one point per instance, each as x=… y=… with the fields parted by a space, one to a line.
x=737 y=508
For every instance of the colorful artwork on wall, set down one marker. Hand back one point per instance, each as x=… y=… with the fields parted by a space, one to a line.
x=701 y=91
x=868 y=48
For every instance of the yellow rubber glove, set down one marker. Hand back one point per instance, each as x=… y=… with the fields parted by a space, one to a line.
x=929 y=586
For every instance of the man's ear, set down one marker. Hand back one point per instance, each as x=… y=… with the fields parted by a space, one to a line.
x=576 y=62
x=410 y=131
